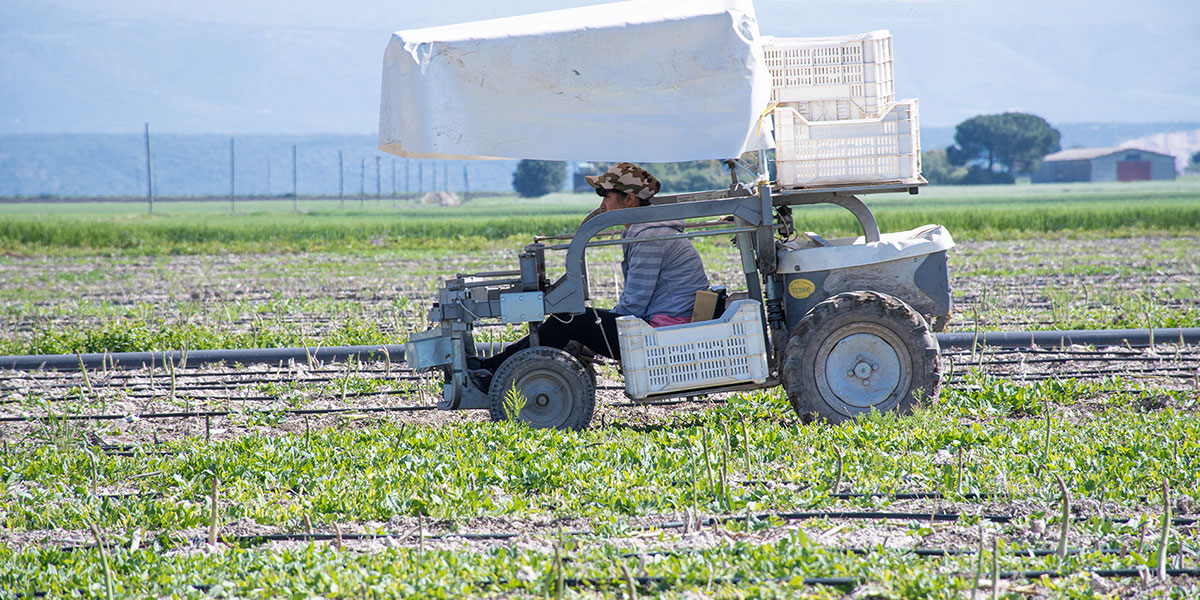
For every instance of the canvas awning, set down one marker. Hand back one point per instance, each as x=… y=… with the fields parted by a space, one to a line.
x=642 y=81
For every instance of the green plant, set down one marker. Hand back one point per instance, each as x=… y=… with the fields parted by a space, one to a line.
x=514 y=402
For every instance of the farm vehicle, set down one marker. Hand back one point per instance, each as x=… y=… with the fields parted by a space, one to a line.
x=845 y=326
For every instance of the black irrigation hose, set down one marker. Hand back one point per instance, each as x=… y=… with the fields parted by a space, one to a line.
x=1010 y=339
x=223 y=384
x=1068 y=352
x=216 y=413
x=1068 y=359
x=182 y=395
x=245 y=356
x=884 y=515
x=1071 y=374
x=1086 y=337
x=919 y=552
x=1179 y=373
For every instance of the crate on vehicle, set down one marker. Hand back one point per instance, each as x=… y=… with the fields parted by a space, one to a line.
x=832 y=78
x=880 y=150
x=723 y=351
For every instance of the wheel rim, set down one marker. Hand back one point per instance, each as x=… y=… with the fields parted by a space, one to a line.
x=549 y=398
x=863 y=366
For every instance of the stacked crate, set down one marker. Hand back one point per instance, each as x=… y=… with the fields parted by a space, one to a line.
x=835 y=114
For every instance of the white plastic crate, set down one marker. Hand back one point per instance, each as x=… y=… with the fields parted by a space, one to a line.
x=879 y=150
x=832 y=78
x=726 y=350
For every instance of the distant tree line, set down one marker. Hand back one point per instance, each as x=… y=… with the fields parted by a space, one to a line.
x=535 y=178
x=987 y=149
x=992 y=149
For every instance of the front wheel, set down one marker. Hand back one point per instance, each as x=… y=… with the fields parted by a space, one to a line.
x=857 y=352
x=543 y=387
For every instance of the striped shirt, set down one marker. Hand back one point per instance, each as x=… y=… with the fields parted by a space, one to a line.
x=662 y=277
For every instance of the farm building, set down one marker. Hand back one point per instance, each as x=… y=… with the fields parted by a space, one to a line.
x=1105 y=164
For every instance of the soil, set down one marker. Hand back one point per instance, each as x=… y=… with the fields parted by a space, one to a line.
x=1008 y=283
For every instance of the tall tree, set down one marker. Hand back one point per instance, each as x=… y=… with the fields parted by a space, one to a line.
x=1013 y=140
x=535 y=178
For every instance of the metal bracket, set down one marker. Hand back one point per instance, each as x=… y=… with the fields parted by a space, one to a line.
x=521 y=307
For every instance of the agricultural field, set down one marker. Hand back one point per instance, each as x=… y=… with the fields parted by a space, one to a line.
x=1055 y=472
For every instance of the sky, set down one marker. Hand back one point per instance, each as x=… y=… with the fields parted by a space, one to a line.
x=309 y=66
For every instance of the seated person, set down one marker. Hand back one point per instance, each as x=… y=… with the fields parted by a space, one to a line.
x=661 y=277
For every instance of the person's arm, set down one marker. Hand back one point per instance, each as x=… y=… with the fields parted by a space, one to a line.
x=645 y=264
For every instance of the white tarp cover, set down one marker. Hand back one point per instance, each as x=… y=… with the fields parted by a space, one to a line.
x=641 y=81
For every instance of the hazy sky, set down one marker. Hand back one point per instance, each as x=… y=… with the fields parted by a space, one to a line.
x=307 y=66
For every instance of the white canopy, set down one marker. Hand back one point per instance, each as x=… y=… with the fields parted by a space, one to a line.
x=641 y=81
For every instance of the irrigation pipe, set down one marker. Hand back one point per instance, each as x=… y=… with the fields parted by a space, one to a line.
x=216 y=413
x=245 y=356
x=1084 y=337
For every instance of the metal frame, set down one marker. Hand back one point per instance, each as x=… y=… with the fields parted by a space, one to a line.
x=758 y=214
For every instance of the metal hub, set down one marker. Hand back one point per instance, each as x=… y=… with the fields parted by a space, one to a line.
x=864 y=367
x=549 y=398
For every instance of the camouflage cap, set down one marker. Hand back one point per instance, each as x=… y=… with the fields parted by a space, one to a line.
x=626 y=178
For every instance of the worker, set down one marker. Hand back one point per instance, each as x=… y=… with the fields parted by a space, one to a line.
x=661 y=278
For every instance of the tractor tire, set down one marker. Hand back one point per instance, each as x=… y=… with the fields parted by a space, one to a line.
x=857 y=352
x=559 y=392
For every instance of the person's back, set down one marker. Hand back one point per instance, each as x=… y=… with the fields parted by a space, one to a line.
x=662 y=276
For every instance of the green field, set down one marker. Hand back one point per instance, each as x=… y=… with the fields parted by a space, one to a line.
x=985 y=212
x=592 y=510
x=730 y=496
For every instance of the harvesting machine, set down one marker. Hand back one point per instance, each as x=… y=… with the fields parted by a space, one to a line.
x=845 y=326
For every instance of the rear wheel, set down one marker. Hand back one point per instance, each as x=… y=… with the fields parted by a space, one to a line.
x=556 y=389
x=857 y=352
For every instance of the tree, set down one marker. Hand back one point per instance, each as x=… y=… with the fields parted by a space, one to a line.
x=679 y=177
x=936 y=168
x=535 y=178
x=1013 y=140
x=694 y=176
x=977 y=175
x=1194 y=164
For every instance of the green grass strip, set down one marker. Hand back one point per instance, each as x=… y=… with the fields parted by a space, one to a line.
x=200 y=227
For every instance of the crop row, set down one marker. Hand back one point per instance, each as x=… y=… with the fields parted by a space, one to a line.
x=988 y=446
x=792 y=566
x=961 y=444
x=172 y=303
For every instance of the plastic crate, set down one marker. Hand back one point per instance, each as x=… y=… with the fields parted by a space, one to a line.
x=832 y=78
x=879 y=150
x=727 y=350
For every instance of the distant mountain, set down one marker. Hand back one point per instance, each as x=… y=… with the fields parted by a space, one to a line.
x=33 y=165
x=198 y=165
x=1076 y=135
x=295 y=67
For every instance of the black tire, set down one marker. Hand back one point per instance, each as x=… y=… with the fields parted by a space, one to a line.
x=857 y=352
x=558 y=390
